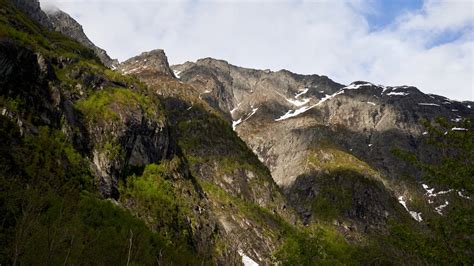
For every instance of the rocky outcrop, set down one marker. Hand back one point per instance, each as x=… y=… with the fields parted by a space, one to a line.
x=153 y=63
x=231 y=176
x=64 y=23
x=33 y=10
x=284 y=117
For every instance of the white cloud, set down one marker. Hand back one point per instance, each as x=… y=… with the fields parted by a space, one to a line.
x=329 y=38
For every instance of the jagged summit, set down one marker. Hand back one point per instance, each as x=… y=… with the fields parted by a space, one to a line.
x=154 y=61
x=64 y=23
x=214 y=164
x=33 y=9
x=55 y=19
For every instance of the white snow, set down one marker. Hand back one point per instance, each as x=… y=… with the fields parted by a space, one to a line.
x=454 y=110
x=254 y=110
x=176 y=73
x=397 y=93
x=298 y=102
x=430 y=191
x=371 y=103
x=302 y=92
x=246 y=260
x=462 y=195
x=458 y=129
x=428 y=104
x=293 y=113
x=425 y=133
x=235 y=123
x=357 y=86
x=457 y=119
x=469 y=106
x=370 y=145
x=440 y=208
x=414 y=215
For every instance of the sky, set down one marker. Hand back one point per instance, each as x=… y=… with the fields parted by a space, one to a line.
x=428 y=44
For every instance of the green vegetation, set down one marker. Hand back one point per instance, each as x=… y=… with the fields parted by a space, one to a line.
x=50 y=211
x=48 y=216
x=450 y=237
x=16 y=26
x=105 y=104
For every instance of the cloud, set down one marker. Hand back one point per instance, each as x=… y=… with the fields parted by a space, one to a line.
x=330 y=38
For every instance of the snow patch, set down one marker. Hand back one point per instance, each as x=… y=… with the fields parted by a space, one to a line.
x=371 y=103
x=246 y=260
x=425 y=133
x=298 y=102
x=293 y=113
x=370 y=145
x=428 y=104
x=469 y=106
x=176 y=73
x=392 y=93
x=302 y=92
x=235 y=123
x=414 y=215
x=440 y=208
x=430 y=191
x=357 y=86
x=254 y=110
x=458 y=129
x=462 y=195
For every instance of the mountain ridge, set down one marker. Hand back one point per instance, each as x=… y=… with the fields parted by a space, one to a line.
x=211 y=163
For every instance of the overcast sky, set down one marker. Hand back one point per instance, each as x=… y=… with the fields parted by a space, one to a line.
x=428 y=44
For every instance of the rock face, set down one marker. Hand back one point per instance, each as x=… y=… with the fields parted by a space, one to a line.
x=219 y=160
x=60 y=21
x=68 y=26
x=153 y=62
x=32 y=9
x=287 y=119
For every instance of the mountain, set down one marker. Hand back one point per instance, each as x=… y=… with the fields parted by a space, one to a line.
x=55 y=19
x=65 y=24
x=210 y=163
x=298 y=125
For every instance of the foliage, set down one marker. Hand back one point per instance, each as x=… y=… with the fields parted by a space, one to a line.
x=155 y=197
x=455 y=149
x=450 y=237
x=15 y=25
x=103 y=105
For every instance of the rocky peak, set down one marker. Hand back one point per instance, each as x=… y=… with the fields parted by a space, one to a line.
x=154 y=61
x=33 y=9
x=64 y=23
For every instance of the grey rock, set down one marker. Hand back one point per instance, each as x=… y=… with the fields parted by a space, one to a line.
x=364 y=120
x=64 y=23
x=152 y=63
x=33 y=9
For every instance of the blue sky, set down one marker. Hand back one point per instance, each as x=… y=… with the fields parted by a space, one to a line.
x=386 y=12
x=428 y=44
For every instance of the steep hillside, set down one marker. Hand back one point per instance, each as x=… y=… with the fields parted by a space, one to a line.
x=331 y=147
x=211 y=164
